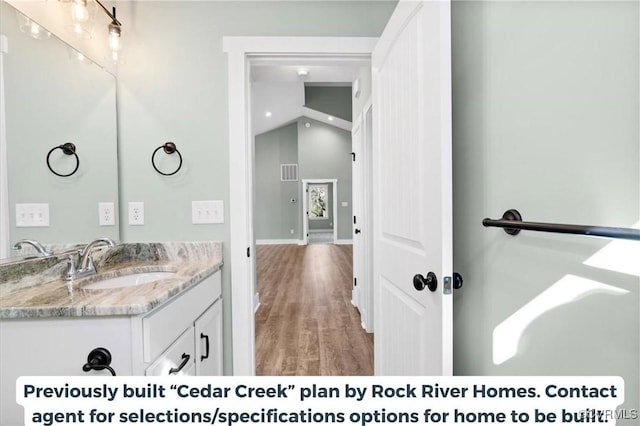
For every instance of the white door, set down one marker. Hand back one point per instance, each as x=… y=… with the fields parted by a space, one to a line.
x=412 y=190
x=208 y=330
x=358 y=204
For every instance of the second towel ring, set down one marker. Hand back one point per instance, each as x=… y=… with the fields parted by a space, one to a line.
x=69 y=149
x=169 y=148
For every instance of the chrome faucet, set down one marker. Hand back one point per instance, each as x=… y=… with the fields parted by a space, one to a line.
x=85 y=261
x=43 y=252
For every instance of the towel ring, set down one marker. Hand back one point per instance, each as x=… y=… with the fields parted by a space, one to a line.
x=69 y=149
x=169 y=148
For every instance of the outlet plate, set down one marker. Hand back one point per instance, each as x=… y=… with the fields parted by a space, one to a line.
x=136 y=213
x=209 y=211
x=33 y=215
x=106 y=214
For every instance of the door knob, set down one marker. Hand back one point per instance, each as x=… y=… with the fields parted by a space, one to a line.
x=457 y=281
x=430 y=282
x=357 y=231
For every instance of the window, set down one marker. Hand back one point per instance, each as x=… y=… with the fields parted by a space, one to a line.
x=318 y=201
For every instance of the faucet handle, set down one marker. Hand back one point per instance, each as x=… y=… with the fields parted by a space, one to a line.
x=71 y=269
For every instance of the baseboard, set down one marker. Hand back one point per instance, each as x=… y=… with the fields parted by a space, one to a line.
x=275 y=242
x=256 y=302
x=343 y=242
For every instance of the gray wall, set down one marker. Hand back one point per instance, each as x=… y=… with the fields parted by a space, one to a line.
x=174 y=87
x=323 y=153
x=332 y=100
x=274 y=215
x=545 y=114
x=320 y=152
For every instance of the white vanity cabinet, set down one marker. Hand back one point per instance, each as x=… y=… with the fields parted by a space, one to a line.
x=186 y=332
x=181 y=336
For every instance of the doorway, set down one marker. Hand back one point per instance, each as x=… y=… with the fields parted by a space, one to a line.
x=305 y=288
x=320 y=211
x=241 y=50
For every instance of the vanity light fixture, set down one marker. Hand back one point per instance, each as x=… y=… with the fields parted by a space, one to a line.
x=115 y=31
x=81 y=17
x=82 y=13
x=79 y=12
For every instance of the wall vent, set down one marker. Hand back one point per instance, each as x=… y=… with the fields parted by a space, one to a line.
x=288 y=172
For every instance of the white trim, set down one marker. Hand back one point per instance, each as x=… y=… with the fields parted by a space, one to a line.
x=238 y=50
x=276 y=242
x=319 y=231
x=5 y=226
x=343 y=242
x=367 y=217
x=305 y=207
x=256 y=302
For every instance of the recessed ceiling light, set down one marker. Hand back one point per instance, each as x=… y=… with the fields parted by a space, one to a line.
x=330 y=118
x=303 y=72
x=267 y=114
x=307 y=124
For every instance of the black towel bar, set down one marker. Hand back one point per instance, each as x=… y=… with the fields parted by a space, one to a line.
x=512 y=223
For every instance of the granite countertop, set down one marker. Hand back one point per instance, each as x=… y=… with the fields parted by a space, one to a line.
x=35 y=288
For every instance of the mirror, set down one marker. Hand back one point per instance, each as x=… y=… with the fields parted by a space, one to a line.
x=53 y=95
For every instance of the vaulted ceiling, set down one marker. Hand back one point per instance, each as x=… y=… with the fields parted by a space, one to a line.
x=277 y=88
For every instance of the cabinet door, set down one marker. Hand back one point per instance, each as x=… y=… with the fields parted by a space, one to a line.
x=177 y=359
x=209 y=341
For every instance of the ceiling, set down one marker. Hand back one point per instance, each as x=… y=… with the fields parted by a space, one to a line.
x=277 y=88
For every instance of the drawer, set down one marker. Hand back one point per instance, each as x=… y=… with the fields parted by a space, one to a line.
x=180 y=356
x=164 y=325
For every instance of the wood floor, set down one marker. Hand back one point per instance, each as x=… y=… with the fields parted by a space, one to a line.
x=306 y=324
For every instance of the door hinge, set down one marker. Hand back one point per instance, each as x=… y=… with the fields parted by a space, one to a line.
x=248 y=251
x=354 y=220
x=355 y=282
x=353 y=156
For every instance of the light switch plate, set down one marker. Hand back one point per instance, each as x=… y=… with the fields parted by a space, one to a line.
x=345 y=204
x=106 y=214
x=208 y=211
x=136 y=213
x=33 y=215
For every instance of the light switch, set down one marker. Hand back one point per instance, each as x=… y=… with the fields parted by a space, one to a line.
x=345 y=204
x=209 y=211
x=34 y=215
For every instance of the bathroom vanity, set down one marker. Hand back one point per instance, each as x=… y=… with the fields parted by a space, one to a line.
x=155 y=308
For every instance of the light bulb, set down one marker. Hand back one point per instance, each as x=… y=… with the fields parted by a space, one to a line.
x=114 y=37
x=79 y=12
x=35 y=30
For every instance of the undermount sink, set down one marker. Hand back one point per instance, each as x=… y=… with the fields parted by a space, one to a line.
x=129 y=280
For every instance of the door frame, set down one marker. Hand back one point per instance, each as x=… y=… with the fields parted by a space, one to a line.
x=239 y=52
x=305 y=206
x=365 y=296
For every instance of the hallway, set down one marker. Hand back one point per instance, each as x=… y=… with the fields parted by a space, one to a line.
x=306 y=324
